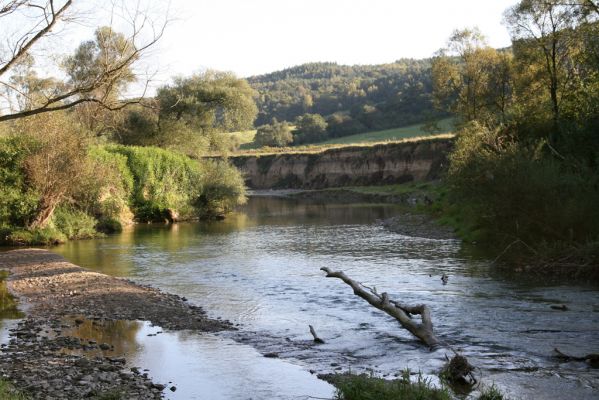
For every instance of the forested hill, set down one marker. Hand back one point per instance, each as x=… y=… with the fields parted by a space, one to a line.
x=362 y=97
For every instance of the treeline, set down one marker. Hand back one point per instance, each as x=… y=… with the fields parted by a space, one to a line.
x=524 y=177
x=351 y=99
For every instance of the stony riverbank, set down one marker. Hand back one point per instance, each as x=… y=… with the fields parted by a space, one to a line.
x=46 y=361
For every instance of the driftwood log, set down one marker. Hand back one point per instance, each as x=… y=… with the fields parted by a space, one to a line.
x=401 y=312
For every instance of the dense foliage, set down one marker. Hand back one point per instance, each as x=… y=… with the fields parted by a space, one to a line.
x=191 y=115
x=55 y=184
x=524 y=178
x=354 y=98
x=310 y=128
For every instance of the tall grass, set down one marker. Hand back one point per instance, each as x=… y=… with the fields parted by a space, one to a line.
x=8 y=392
x=364 y=387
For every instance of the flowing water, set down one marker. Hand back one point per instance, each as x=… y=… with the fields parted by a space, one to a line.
x=260 y=269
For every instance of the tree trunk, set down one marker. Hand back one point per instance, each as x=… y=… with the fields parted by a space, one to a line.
x=44 y=214
x=401 y=312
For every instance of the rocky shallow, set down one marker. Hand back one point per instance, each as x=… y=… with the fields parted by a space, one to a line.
x=49 y=358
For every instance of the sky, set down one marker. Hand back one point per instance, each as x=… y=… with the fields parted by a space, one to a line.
x=252 y=37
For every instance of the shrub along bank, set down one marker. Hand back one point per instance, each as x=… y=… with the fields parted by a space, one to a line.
x=60 y=186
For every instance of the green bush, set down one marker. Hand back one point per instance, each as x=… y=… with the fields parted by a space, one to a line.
x=74 y=224
x=106 y=191
x=278 y=134
x=222 y=189
x=114 y=184
x=165 y=180
x=162 y=180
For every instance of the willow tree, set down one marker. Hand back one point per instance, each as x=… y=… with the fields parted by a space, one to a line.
x=207 y=105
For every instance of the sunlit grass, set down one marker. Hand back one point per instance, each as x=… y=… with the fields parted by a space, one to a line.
x=8 y=392
x=245 y=139
x=406 y=132
x=319 y=148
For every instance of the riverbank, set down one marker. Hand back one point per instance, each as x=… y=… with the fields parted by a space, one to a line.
x=46 y=360
x=410 y=194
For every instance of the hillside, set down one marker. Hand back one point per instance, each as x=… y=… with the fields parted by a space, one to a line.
x=362 y=97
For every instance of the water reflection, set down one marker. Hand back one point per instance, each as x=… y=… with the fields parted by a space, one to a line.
x=200 y=366
x=119 y=336
x=210 y=367
x=8 y=304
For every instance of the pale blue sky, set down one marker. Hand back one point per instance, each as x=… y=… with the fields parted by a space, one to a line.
x=257 y=36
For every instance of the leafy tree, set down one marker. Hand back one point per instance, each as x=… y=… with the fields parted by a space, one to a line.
x=87 y=63
x=212 y=101
x=96 y=71
x=543 y=31
x=197 y=110
x=341 y=124
x=55 y=163
x=523 y=175
x=472 y=79
x=310 y=128
x=277 y=134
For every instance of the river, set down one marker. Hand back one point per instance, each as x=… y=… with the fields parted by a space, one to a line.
x=260 y=269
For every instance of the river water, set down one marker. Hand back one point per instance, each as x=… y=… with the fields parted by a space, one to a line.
x=260 y=269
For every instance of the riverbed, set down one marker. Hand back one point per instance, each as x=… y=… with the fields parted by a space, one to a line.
x=260 y=269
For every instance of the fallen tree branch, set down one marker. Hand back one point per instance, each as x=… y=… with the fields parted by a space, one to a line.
x=401 y=312
x=315 y=336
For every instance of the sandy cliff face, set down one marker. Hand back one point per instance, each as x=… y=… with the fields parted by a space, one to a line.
x=348 y=166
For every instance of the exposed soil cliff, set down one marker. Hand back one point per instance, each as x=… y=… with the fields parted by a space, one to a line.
x=348 y=166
